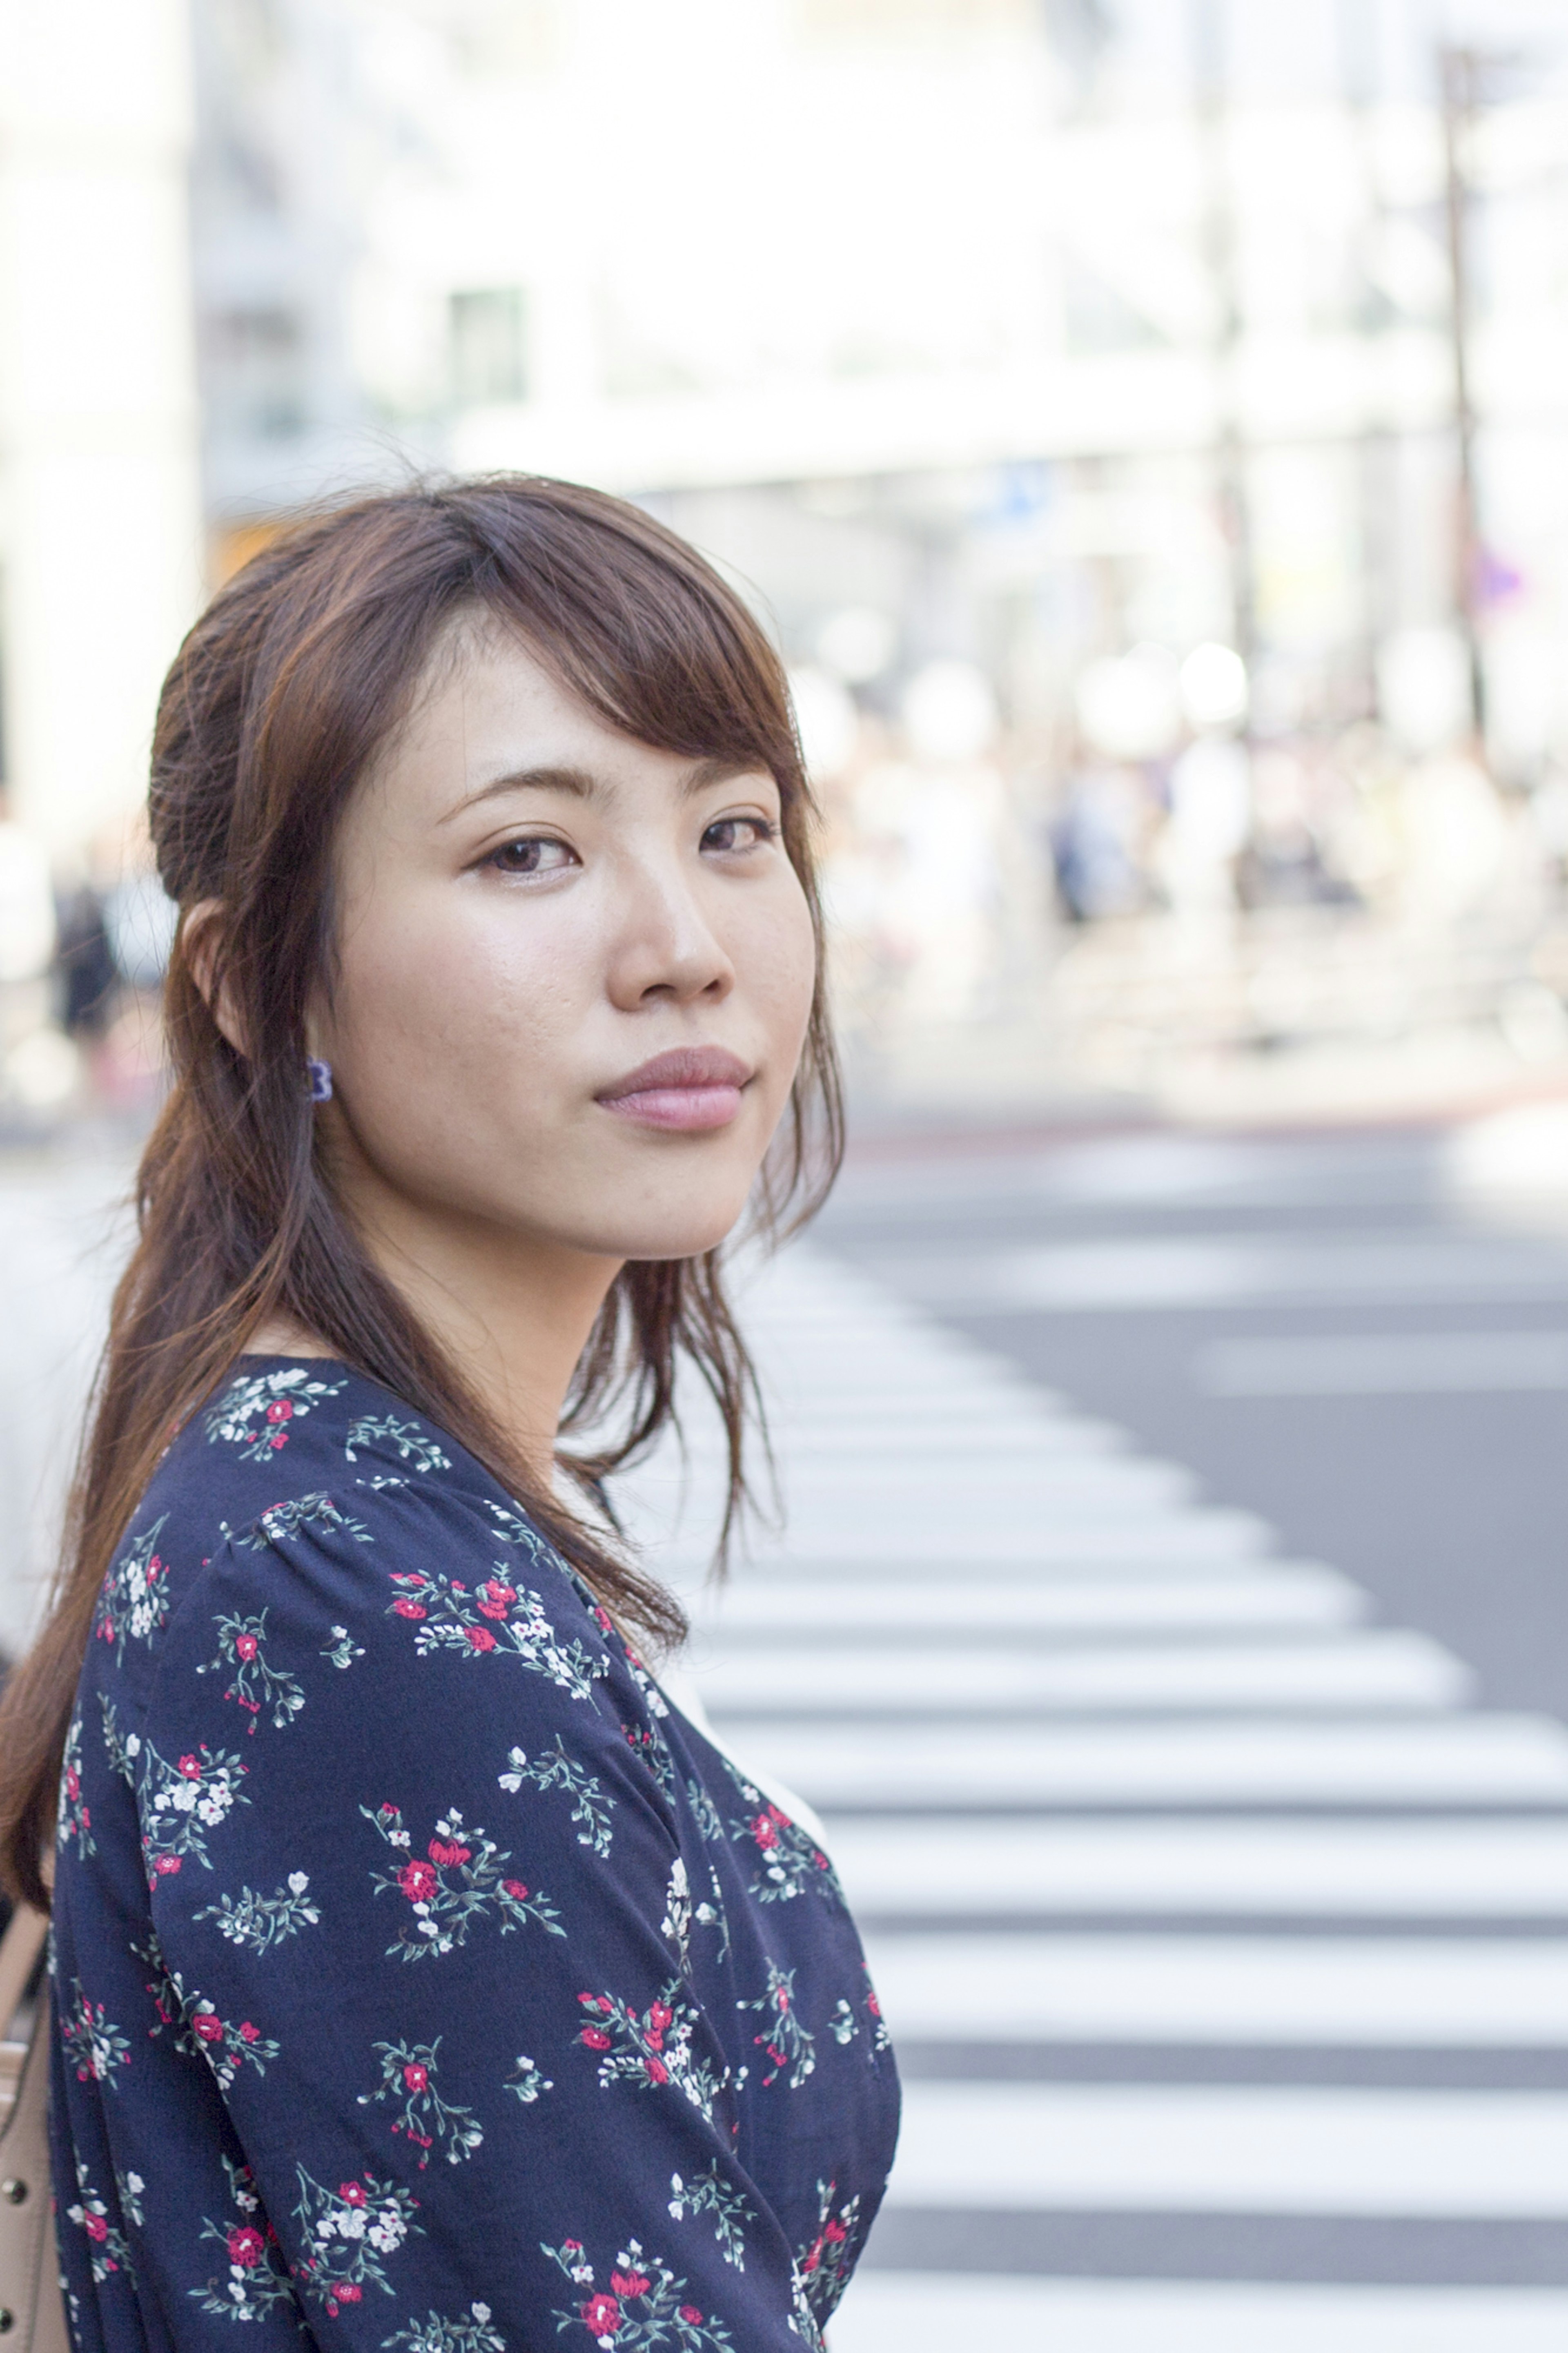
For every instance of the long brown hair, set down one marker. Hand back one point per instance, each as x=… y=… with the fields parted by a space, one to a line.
x=279 y=699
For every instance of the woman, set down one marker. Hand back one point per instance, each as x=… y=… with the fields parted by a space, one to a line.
x=423 y=1980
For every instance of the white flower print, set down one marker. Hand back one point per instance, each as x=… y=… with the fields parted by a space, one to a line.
x=413 y=1444
x=255 y=1413
x=134 y=1601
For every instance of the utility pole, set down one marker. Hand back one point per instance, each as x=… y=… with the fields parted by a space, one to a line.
x=1360 y=83
x=1460 y=74
x=1211 y=106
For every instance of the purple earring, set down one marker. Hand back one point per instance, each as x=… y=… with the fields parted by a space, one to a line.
x=320 y=1081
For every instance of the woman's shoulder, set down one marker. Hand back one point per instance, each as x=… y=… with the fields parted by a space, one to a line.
x=287 y=1451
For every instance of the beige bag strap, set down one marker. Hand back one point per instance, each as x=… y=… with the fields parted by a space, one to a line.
x=19 y=1950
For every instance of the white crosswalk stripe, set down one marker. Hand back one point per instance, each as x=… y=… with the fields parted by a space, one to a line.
x=1103 y=1777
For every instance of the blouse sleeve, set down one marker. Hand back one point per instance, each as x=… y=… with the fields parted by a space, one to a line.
x=417 y=1896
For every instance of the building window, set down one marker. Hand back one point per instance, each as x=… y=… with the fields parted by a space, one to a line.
x=486 y=329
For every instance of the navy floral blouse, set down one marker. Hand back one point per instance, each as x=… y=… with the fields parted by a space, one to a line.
x=422 y=1978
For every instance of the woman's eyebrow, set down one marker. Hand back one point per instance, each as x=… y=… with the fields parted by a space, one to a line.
x=583 y=786
x=575 y=781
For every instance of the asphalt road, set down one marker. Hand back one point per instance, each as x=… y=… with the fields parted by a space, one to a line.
x=1164 y=1269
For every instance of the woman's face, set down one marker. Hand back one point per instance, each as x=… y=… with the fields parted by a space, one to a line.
x=575 y=973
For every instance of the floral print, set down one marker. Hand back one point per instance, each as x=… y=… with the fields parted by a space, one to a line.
x=825 y=2264
x=74 y=1813
x=494 y=1618
x=257 y=1415
x=108 y=2249
x=784 y=2043
x=93 y=2046
x=712 y=2195
x=342 y=2055
x=651 y=2047
x=350 y=2232
x=259 y=1922
x=407 y=2086
x=788 y=1861
x=134 y=1598
x=257 y=2278
x=591 y=1809
x=412 y=1443
x=458 y=1881
x=436 y=2335
x=256 y=1685
x=642 y=2305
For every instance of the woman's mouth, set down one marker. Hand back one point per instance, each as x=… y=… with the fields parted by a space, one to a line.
x=690 y=1087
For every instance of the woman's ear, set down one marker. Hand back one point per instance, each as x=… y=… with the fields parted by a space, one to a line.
x=204 y=942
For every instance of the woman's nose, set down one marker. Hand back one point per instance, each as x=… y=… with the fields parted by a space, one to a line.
x=665 y=944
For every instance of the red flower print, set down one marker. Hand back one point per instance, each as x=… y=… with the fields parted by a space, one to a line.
x=764 y=1833
x=165 y=1864
x=207 y=2026
x=416 y=2076
x=246 y=1645
x=191 y=1767
x=835 y=2234
x=246 y=2247
x=660 y=2016
x=248 y=2033
x=596 y=2038
x=873 y=2005
x=777 y=1814
x=409 y=1609
x=493 y=1609
x=514 y=1887
x=692 y=2317
x=73 y=1782
x=350 y=2291
x=279 y=1411
x=628 y=2283
x=478 y=1638
x=417 y=1881
x=86 y=1823
x=571 y=2246
x=494 y=1590
x=444 y=1854
x=95 y=2226
x=601 y=2316
x=351 y=2193
x=606 y=1623
x=457 y=1586
x=656 y=2070
x=820 y=1860
x=281 y=1439
x=782 y=1999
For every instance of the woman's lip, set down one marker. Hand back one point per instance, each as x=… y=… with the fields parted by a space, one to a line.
x=677 y=1107
x=690 y=1087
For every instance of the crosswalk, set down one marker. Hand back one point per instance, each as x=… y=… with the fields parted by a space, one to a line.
x=1223 y=1941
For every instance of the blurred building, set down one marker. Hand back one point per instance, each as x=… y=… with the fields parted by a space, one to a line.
x=100 y=516
x=1006 y=318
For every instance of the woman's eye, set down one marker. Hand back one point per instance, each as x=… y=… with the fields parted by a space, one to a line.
x=535 y=854
x=731 y=833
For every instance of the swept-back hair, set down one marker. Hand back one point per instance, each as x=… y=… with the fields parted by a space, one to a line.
x=294 y=677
